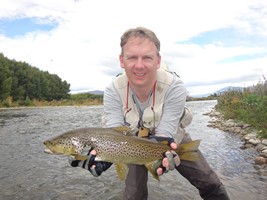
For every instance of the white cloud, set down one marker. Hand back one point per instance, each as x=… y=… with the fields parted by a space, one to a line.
x=83 y=49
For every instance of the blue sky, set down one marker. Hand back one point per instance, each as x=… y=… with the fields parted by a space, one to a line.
x=19 y=27
x=210 y=44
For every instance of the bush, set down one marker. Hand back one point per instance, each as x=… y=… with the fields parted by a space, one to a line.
x=249 y=106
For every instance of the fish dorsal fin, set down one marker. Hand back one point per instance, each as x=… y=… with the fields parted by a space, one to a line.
x=152 y=168
x=125 y=130
x=122 y=170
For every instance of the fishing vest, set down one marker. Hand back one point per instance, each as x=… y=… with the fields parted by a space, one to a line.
x=152 y=114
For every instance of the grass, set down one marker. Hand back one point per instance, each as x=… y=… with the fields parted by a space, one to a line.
x=75 y=100
x=248 y=105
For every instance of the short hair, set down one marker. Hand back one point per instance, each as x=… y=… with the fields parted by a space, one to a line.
x=142 y=33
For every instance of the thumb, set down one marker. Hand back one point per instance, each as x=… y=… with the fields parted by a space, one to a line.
x=174 y=145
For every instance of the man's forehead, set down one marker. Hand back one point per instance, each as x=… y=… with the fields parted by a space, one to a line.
x=138 y=40
x=132 y=46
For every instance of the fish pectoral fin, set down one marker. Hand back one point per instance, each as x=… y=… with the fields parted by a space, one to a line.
x=152 y=168
x=122 y=170
x=80 y=157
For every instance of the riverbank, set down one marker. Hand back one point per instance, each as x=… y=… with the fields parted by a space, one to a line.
x=246 y=133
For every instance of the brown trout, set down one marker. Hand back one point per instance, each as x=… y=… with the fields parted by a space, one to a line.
x=116 y=146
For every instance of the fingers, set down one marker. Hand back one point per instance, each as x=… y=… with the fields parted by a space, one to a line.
x=162 y=169
x=159 y=171
x=95 y=167
x=176 y=159
x=73 y=162
x=173 y=160
x=170 y=165
x=94 y=172
x=170 y=161
x=86 y=164
x=93 y=152
x=174 y=145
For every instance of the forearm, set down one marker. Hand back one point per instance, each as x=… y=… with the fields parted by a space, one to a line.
x=172 y=110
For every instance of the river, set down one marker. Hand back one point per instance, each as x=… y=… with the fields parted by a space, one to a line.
x=26 y=172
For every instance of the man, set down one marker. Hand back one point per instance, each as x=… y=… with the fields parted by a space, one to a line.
x=152 y=102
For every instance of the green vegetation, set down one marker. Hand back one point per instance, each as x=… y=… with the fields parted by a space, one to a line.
x=87 y=99
x=24 y=85
x=21 y=84
x=83 y=100
x=248 y=105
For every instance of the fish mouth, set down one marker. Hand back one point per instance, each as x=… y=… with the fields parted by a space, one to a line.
x=48 y=151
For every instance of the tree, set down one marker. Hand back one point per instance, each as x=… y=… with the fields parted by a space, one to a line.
x=22 y=81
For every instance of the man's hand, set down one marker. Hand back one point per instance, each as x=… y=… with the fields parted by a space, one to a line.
x=170 y=161
x=95 y=167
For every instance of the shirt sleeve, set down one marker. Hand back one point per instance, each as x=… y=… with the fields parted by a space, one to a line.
x=113 y=114
x=173 y=108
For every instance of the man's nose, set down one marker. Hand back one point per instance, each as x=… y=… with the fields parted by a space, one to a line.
x=139 y=63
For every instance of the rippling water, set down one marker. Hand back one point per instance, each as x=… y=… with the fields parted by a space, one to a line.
x=27 y=173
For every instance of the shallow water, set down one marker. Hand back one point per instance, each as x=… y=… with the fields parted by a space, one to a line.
x=27 y=173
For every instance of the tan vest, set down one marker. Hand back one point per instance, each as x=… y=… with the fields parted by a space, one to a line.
x=150 y=120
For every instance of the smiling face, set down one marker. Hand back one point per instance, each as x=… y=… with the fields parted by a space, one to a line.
x=140 y=60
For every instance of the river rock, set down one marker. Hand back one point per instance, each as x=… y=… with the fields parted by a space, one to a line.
x=264 y=141
x=252 y=135
x=230 y=123
x=260 y=147
x=255 y=141
x=264 y=151
x=246 y=146
x=262 y=154
x=246 y=126
x=260 y=160
x=246 y=133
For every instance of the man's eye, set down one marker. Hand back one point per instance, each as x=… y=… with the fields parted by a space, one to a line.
x=148 y=58
x=130 y=58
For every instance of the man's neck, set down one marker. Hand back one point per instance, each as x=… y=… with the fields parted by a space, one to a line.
x=142 y=93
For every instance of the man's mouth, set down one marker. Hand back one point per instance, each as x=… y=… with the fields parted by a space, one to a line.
x=139 y=74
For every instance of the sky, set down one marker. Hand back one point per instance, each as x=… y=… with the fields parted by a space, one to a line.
x=210 y=44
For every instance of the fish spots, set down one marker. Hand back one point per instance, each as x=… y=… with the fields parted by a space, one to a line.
x=75 y=141
x=110 y=145
x=123 y=142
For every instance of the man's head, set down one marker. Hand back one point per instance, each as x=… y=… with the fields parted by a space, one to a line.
x=140 y=57
x=140 y=32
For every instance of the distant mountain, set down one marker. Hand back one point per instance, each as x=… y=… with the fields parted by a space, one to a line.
x=96 y=92
x=229 y=88
x=220 y=91
x=225 y=89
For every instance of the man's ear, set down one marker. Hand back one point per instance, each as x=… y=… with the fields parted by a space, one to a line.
x=121 y=61
x=159 y=61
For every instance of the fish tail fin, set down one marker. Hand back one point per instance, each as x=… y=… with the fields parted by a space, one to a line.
x=190 y=156
x=189 y=151
x=152 y=168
